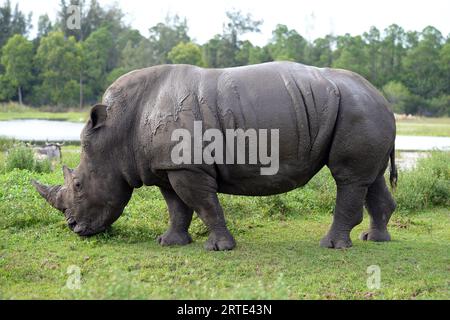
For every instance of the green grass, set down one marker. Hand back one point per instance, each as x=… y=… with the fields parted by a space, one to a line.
x=424 y=127
x=277 y=257
x=14 y=111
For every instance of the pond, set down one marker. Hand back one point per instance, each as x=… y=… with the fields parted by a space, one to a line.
x=41 y=130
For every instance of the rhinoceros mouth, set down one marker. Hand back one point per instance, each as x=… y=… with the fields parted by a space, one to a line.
x=71 y=222
x=82 y=229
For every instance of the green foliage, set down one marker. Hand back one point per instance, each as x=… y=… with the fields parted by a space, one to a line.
x=136 y=55
x=95 y=52
x=401 y=99
x=7 y=90
x=320 y=52
x=22 y=158
x=287 y=45
x=352 y=55
x=426 y=186
x=6 y=143
x=16 y=59
x=59 y=61
x=226 y=50
x=165 y=36
x=12 y=22
x=423 y=73
x=440 y=106
x=186 y=53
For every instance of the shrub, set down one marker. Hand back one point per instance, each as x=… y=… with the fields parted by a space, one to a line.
x=22 y=158
x=426 y=186
x=401 y=99
x=42 y=166
x=6 y=144
x=440 y=106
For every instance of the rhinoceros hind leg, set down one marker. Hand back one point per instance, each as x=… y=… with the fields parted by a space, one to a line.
x=180 y=220
x=347 y=214
x=198 y=191
x=380 y=205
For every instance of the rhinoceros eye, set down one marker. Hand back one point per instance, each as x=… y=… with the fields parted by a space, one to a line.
x=77 y=185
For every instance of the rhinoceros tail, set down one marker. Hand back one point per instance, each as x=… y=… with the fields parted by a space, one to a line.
x=393 y=176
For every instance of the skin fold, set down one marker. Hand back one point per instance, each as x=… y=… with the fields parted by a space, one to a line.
x=325 y=117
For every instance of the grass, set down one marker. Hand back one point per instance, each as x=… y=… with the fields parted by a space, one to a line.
x=14 y=111
x=277 y=257
x=439 y=127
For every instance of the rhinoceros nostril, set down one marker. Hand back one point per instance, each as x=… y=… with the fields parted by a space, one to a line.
x=78 y=229
x=71 y=222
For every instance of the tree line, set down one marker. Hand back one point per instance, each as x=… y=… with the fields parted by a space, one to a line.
x=67 y=67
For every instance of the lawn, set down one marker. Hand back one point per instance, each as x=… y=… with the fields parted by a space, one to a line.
x=439 y=127
x=277 y=257
x=14 y=111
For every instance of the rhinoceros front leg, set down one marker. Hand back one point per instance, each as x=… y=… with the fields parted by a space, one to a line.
x=199 y=191
x=180 y=216
x=347 y=214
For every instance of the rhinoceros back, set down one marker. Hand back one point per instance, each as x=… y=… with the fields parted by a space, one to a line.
x=295 y=99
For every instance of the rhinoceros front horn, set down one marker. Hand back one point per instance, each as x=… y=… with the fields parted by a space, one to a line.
x=49 y=193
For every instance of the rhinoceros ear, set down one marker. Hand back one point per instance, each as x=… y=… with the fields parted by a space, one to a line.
x=98 y=116
x=67 y=174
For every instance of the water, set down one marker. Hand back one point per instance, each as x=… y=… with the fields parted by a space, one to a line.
x=407 y=160
x=41 y=130
x=419 y=143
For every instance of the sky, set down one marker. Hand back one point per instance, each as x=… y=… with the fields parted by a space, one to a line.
x=311 y=18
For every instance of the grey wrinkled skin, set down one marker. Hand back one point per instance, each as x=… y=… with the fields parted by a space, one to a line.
x=324 y=116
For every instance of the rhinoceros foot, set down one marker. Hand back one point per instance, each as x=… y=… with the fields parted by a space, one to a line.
x=336 y=241
x=220 y=242
x=172 y=238
x=375 y=235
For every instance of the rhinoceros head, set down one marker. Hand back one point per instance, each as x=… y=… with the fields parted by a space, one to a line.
x=94 y=194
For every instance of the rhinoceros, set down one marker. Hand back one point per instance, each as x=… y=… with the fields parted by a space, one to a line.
x=324 y=117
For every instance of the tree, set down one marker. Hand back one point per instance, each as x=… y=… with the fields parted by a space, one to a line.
x=58 y=60
x=249 y=54
x=136 y=56
x=445 y=64
x=96 y=49
x=320 y=52
x=17 y=59
x=44 y=26
x=287 y=45
x=7 y=90
x=222 y=51
x=404 y=101
x=187 y=53
x=239 y=24
x=165 y=36
x=373 y=52
x=423 y=73
x=219 y=52
x=12 y=22
x=392 y=52
x=351 y=55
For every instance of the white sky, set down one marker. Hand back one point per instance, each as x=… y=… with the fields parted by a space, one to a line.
x=311 y=18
